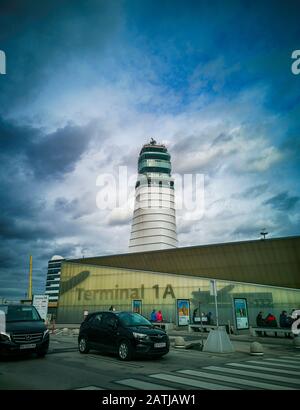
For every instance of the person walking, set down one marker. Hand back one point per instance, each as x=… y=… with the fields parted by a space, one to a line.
x=112 y=308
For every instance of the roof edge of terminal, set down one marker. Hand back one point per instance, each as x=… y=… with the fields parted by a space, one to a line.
x=178 y=249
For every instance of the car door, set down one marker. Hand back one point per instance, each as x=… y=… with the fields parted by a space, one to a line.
x=110 y=332
x=95 y=333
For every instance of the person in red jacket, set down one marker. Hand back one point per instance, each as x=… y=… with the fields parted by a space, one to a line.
x=159 y=317
x=271 y=320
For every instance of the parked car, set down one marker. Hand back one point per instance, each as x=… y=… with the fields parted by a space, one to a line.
x=126 y=333
x=24 y=330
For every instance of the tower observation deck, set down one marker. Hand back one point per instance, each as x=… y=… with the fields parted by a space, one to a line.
x=154 y=219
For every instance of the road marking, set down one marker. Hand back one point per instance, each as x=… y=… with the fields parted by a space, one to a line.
x=250 y=383
x=113 y=360
x=289 y=366
x=90 y=388
x=283 y=361
x=258 y=375
x=297 y=359
x=139 y=384
x=191 y=382
x=268 y=369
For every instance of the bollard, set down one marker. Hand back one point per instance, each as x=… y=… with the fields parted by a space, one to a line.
x=297 y=342
x=179 y=342
x=256 y=349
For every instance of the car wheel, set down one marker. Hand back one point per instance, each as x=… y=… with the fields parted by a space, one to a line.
x=125 y=350
x=83 y=345
x=41 y=353
x=156 y=357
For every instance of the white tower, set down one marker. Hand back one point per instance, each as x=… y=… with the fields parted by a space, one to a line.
x=154 y=220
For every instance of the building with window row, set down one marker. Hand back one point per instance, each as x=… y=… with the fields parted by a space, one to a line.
x=53 y=282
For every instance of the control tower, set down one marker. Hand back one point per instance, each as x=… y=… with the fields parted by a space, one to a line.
x=154 y=219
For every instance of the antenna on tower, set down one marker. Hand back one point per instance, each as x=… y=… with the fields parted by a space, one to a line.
x=264 y=233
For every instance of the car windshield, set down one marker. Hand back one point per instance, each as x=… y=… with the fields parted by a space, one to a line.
x=133 y=319
x=20 y=313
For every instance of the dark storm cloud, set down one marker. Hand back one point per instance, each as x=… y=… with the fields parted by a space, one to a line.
x=17 y=202
x=28 y=222
x=21 y=228
x=47 y=155
x=14 y=138
x=57 y=153
x=283 y=201
x=14 y=262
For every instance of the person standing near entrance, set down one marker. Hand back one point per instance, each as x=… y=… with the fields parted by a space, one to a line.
x=195 y=312
x=260 y=322
x=159 y=317
x=209 y=318
x=284 y=322
x=153 y=316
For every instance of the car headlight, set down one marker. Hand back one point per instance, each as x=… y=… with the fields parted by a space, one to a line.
x=4 y=336
x=46 y=333
x=140 y=336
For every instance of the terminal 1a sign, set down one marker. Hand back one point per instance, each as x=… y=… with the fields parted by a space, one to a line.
x=241 y=313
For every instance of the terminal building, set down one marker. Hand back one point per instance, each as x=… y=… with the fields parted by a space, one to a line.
x=264 y=272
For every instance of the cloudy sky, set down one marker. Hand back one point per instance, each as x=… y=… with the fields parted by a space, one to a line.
x=89 y=82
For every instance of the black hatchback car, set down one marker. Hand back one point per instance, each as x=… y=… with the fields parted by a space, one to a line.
x=22 y=330
x=125 y=333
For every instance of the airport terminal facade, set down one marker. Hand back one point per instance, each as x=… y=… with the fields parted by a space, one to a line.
x=264 y=272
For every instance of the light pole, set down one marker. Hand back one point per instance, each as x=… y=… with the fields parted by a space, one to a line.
x=213 y=292
x=264 y=234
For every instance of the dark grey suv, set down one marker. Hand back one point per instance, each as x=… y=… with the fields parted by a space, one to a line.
x=125 y=333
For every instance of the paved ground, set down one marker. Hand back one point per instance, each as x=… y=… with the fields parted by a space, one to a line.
x=65 y=368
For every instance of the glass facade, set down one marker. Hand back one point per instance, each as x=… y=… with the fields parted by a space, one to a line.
x=88 y=287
